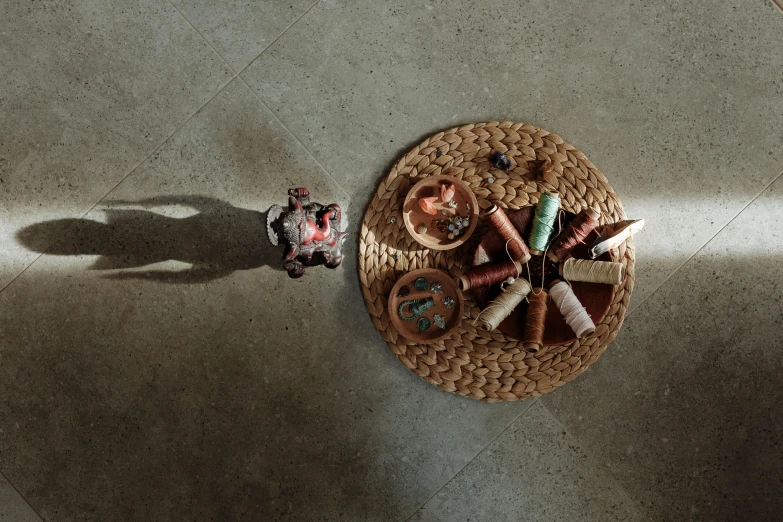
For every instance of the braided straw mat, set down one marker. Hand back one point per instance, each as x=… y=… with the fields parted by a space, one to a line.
x=474 y=362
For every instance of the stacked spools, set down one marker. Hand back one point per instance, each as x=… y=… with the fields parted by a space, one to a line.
x=548 y=240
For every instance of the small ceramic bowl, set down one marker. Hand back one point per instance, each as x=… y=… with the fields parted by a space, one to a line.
x=404 y=294
x=415 y=217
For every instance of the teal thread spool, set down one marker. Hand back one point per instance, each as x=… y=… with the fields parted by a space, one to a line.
x=544 y=222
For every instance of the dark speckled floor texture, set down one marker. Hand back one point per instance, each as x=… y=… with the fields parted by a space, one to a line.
x=156 y=364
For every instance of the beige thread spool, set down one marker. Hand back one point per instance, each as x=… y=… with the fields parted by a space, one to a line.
x=607 y=272
x=502 y=306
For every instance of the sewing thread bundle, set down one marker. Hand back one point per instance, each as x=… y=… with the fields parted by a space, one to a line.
x=544 y=222
x=579 y=228
x=534 y=320
x=499 y=222
x=574 y=313
x=502 y=306
x=589 y=271
x=489 y=274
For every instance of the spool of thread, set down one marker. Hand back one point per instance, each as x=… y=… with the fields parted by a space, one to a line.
x=489 y=274
x=522 y=220
x=502 y=306
x=544 y=222
x=500 y=223
x=534 y=321
x=574 y=313
x=589 y=271
x=577 y=231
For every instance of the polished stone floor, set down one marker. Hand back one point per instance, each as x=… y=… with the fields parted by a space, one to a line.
x=156 y=364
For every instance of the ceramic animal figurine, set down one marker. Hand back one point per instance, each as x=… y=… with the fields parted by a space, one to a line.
x=308 y=231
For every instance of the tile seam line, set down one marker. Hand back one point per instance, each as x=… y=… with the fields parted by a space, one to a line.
x=2 y=473
x=266 y=106
x=273 y=42
x=702 y=247
x=209 y=44
x=134 y=169
x=596 y=462
x=300 y=142
x=479 y=452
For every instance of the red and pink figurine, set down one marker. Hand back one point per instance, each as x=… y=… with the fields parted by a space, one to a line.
x=308 y=231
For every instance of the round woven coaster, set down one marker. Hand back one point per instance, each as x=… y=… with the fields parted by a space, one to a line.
x=474 y=362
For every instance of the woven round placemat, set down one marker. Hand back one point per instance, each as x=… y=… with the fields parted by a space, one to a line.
x=474 y=362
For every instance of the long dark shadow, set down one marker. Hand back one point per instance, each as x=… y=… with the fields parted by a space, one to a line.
x=217 y=241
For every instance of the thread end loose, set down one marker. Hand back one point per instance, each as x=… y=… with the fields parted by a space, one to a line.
x=592 y=213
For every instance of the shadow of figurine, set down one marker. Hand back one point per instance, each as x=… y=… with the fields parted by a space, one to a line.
x=217 y=241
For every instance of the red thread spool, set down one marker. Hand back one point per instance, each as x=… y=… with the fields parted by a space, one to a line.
x=499 y=221
x=535 y=319
x=577 y=231
x=489 y=274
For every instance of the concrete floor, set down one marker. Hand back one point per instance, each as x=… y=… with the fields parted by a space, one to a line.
x=163 y=367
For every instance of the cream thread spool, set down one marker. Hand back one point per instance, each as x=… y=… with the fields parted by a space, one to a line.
x=502 y=306
x=574 y=313
x=607 y=272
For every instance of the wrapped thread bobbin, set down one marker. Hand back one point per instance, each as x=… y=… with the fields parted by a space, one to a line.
x=499 y=222
x=502 y=306
x=544 y=222
x=579 y=228
x=607 y=272
x=574 y=313
x=534 y=320
x=489 y=274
